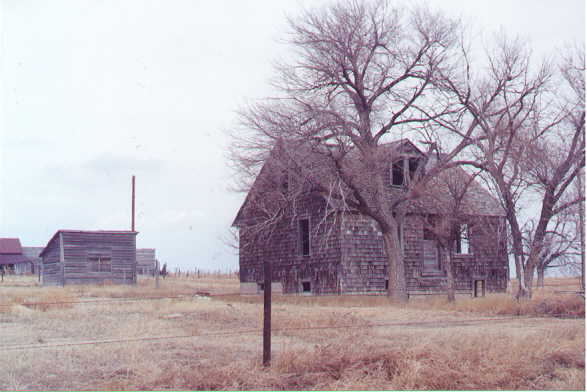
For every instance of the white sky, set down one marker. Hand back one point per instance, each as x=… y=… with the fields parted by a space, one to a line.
x=93 y=91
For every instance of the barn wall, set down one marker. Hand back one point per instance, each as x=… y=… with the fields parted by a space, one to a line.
x=80 y=246
x=51 y=267
x=282 y=249
x=146 y=261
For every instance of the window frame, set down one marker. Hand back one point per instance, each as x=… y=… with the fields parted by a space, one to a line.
x=97 y=263
x=398 y=167
x=304 y=238
x=404 y=165
x=463 y=242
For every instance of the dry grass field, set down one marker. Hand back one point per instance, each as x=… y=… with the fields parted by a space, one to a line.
x=96 y=337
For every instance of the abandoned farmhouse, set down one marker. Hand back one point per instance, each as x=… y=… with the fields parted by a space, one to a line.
x=341 y=252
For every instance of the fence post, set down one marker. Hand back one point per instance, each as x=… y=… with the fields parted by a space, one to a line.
x=157 y=273
x=267 y=315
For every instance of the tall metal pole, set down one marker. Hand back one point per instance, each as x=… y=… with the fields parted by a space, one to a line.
x=267 y=315
x=133 y=205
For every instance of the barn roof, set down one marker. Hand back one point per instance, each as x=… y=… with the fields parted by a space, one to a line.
x=13 y=259
x=10 y=246
x=87 y=232
x=477 y=201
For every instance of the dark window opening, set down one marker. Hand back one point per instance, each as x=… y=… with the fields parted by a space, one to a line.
x=261 y=286
x=306 y=287
x=397 y=173
x=304 y=232
x=412 y=166
x=462 y=240
x=429 y=235
x=386 y=284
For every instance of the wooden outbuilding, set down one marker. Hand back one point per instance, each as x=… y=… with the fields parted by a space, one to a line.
x=12 y=259
x=89 y=257
x=146 y=261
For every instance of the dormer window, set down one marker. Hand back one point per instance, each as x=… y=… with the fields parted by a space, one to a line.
x=403 y=170
x=397 y=173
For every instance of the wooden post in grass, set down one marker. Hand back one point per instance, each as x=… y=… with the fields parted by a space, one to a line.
x=157 y=273
x=267 y=315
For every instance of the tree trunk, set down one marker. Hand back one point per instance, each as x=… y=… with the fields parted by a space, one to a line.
x=446 y=255
x=397 y=277
x=525 y=292
x=540 y=278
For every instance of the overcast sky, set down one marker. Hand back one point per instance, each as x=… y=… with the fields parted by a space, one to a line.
x=93 y=91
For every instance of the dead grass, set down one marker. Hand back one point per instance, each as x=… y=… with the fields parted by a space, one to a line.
x=441 y=361
x=432 y=353
x=543 y=303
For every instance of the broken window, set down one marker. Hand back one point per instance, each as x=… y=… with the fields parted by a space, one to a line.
x=397 y=173
x=304 y=236
x=403 y=170
x=429 y=234
x=462 y=244
x=100 y=263
x=412 y=167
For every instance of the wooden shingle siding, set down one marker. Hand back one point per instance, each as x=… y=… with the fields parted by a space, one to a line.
x=282 y=249
x=346 y=253
x=79 y=246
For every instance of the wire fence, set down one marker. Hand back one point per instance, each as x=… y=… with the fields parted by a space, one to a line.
x=419 y=324
x=202 y=294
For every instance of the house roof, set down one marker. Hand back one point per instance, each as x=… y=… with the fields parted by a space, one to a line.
x=13 y=259
x=10 y=246
x=88 y=232
x=477 y=200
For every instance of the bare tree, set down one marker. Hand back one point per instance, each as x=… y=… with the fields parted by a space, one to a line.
x=561 y=248
x=528 y=141
x=362 y=74
x=446 y=224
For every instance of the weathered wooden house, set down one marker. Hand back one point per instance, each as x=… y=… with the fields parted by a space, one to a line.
x=342 y=252
x=90 y=257
x=12 y=259
x=146 y=261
